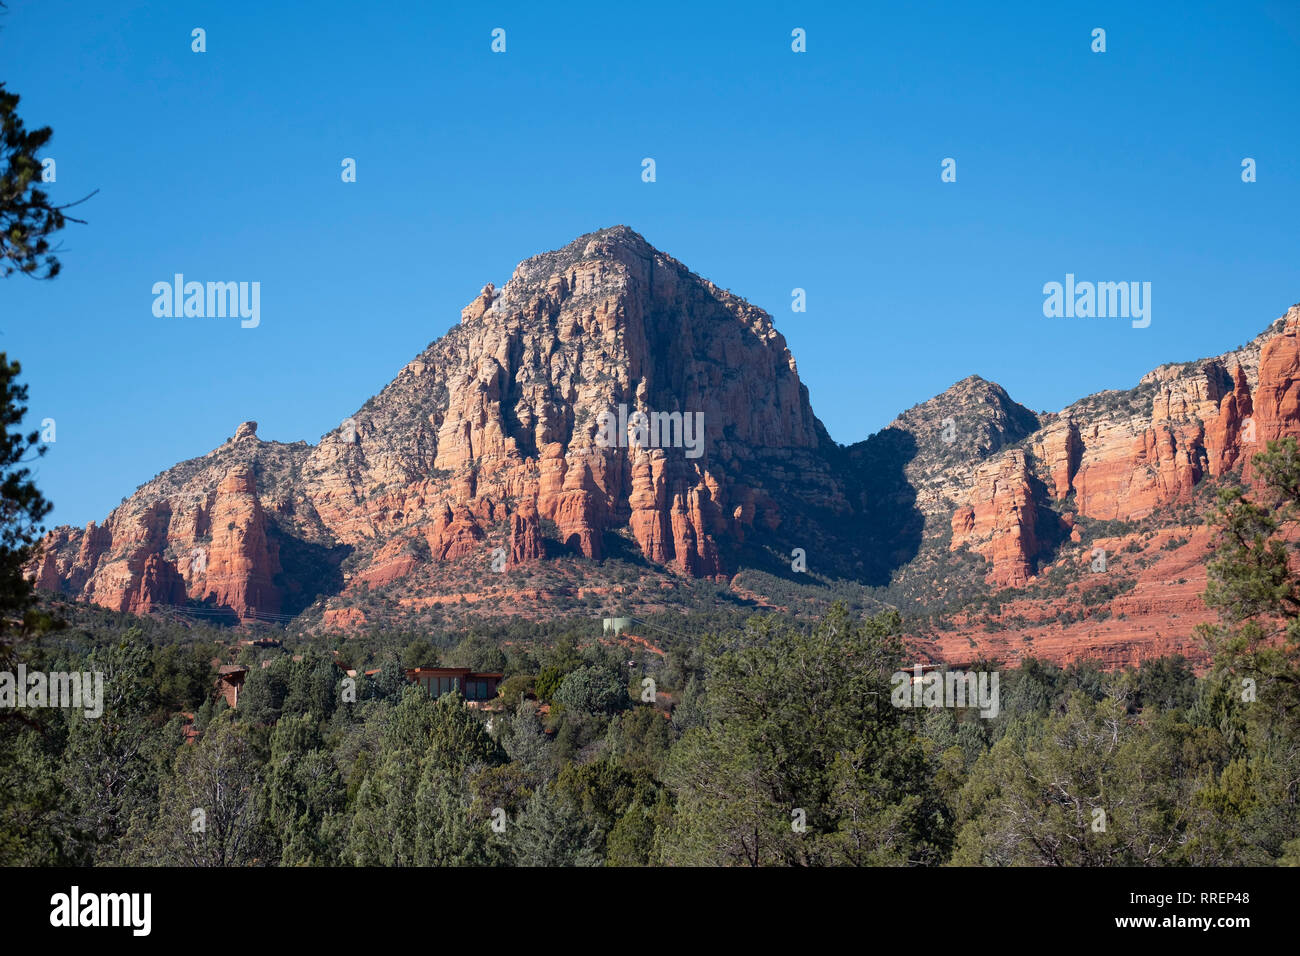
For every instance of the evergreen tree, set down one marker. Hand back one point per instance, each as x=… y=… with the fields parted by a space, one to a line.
x=802 y=753
x=27 y=216
x=304 y=794
x=112 y=764
x=211 y=809
x=552 y=832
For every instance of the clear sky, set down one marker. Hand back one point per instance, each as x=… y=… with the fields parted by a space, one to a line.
x=775 y=170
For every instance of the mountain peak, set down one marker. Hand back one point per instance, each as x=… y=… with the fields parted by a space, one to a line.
x=620 y=234
x=978 y=414
x=494 y=442
x=971 y=390
x=614 y=243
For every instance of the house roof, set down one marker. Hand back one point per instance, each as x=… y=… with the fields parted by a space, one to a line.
x=415 y=672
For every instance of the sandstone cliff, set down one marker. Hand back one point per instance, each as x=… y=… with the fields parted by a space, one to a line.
x=1121 y=456
x=491 y=434
x=488 y=458
x=198 y=532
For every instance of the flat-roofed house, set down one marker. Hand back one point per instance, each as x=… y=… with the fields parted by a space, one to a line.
x=472 y=685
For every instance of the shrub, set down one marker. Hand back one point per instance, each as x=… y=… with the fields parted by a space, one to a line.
x=592 y=690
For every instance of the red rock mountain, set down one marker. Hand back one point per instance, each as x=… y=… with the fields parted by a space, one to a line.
x=483 y=440
x=1122 y=456
x=486 y=454
x=1092 y=527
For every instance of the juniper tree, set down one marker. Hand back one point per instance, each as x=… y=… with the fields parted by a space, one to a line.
x=1255 y=586
x=801 y=758
x=1252 y=582
x=304 y=793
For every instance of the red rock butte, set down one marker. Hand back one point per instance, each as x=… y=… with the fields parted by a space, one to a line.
x=483 y=449
x=493 y=424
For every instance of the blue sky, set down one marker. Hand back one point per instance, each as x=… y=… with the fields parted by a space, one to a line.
x=775 y=170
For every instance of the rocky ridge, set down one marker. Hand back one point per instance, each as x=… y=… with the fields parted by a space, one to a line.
x=485 y=453
x=491 y=431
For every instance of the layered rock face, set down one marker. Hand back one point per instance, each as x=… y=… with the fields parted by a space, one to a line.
x=1275 y=403
x=496 y=431
x=501 y=419
x=1122 y=456
x=197 y=532
x=606 y=402
x=1003 y=513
